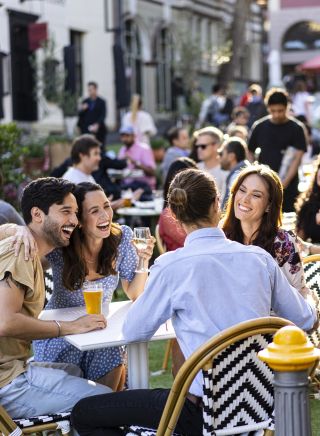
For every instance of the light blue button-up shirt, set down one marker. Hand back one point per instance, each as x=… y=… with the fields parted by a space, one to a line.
x=211 y=284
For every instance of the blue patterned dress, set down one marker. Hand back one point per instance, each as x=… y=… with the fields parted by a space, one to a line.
x=95 y=363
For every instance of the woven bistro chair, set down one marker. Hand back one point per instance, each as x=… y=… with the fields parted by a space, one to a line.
x=311 y=267
x=35 y=425
x=48 y=284
x=238 y=387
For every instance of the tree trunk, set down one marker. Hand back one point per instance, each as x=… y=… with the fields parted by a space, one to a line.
x=237 y=35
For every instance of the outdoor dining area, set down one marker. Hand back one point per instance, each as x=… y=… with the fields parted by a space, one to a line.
x=184 y=292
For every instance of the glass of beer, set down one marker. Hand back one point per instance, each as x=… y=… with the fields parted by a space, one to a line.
x=93 y=296
x=127 y=198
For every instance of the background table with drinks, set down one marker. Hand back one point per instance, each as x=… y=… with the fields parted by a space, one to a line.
x=138 y=364
x=142 y=213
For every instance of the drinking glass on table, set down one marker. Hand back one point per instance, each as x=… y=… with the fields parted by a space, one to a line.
x=93 y=295
x=127 y=197
x=140 y=240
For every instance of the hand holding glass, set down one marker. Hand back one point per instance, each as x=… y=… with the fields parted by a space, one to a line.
x=140 y=241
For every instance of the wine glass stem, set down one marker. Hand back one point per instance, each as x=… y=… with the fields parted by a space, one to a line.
x=141 y=264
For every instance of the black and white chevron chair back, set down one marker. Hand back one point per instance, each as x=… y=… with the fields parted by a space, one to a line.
x=312 y=277
x=238 y=390
x=48 y=284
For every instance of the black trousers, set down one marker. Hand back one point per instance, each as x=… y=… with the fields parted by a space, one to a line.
x=102 y=415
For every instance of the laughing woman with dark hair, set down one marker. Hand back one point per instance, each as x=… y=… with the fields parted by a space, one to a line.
x=253 y=217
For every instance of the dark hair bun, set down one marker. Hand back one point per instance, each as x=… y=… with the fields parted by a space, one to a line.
x=178 y=197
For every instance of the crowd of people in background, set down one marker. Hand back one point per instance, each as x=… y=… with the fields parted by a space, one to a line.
x=226 y=183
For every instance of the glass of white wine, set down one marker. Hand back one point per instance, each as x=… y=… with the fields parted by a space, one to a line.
x=140 y=240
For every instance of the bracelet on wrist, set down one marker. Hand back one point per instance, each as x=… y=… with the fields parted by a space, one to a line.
x=59 y=327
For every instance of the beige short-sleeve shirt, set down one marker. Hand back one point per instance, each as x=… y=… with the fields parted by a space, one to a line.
x=15 y=352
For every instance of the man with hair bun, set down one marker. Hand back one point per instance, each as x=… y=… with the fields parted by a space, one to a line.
x=206 y=286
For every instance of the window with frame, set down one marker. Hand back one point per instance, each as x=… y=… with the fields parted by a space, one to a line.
x=76 y=42
x=302 y=36
x=164 y=69
x=133 y=56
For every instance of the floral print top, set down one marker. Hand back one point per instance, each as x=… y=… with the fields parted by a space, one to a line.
x=288 y=258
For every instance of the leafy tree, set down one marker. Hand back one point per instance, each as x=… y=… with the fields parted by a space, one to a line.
x=237 y=37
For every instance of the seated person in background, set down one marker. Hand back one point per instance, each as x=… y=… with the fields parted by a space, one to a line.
x=85 y=157
x=308 y=209
x=205 y=287
x=50 y=211
x=208 y=141
x=8 y=214
x=179 y=147
x=139 y=156
x=233 y=153
x=253 y=217
x=101 y=176
x=171 y=232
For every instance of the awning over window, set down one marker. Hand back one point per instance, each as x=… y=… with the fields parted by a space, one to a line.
x=311 y=65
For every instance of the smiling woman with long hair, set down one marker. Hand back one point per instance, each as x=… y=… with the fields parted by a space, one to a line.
x=253 y=217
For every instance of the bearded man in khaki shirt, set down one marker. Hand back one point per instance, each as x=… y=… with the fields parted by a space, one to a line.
x=50 y=211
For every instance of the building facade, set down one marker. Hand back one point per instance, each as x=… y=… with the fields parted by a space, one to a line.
x=168 y=46
x=294 y=35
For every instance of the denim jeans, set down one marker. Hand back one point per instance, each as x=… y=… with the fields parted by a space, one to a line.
x=103 y=415
x=47 y=388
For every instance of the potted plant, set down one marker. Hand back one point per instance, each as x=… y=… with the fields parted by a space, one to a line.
x=11 y=152
x=34 y=157
x=59 y=147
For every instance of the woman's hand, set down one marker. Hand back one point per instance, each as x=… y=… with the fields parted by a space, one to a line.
x=24 y=236
x=147 y=252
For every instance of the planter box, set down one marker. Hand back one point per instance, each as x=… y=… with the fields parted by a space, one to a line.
x=59 y=152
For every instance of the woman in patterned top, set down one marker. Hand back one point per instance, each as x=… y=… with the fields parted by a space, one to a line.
x=253 y=216
x=99 y=251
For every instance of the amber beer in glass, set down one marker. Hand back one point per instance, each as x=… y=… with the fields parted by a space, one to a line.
x=93 y=296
